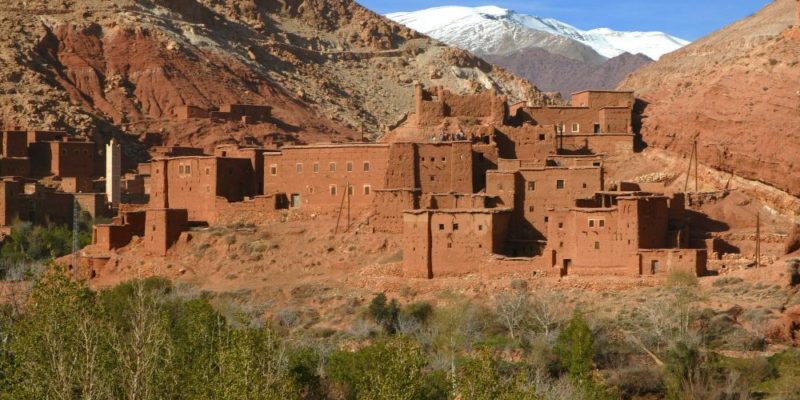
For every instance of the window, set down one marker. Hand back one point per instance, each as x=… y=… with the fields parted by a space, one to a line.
x=584 y=185
x=560 y=225
x=480 y=227
x=560 y=244
x=349 y=166
x=546 y=219
x=333 y=190
x=530 y=208
x=367 y=190
x=531 y=186
x=449 y=245
x=455 y=227
x=208 y=171
x=315 y=168
x=441 y=227
x=299 y=167
x=444 y=159
x=273 y=169
x=433 y=159
x=332 y=167
x=560 y=184
x=597 y=245
x=576 y=127
x=349 y=190
x=180 y=169
x=188 y=169
x=602 y=223
x=596 y=164
x=366 y=166
x=433 y=178
x=591 y=223
x=541 y=136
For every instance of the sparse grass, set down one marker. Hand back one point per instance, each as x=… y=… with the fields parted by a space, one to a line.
x=727 y=281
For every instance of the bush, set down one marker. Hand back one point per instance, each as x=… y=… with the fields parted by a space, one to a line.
x=574 y=348
x=385 y=313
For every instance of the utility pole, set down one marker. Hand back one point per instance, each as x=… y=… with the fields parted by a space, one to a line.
x=75 y=212
x=692 y=160
x=347 y=229
x=758 y=240
x=696 y=171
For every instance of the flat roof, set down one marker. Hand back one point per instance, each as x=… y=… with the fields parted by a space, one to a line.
x=460 y=211
x=603 y=91
x=334 y=145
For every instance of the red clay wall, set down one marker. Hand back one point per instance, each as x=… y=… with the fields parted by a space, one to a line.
x=65 y=159
x=194 y=183
x=665 y=261
x=15 y=144
x=163 y=228
x=389 y=206
x=109 y=237
x=188 y=112
x=599 y=99
x=15 y=167
x=460 y=242
x=319 y=175
x=259 y=210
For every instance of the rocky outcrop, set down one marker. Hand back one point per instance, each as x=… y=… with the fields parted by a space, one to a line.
x=737 y=92
x=331 y=69
x=557 y=73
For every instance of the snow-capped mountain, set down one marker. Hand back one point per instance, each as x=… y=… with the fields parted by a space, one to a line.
x=495 y=30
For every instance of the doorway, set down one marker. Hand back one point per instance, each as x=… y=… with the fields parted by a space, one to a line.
x=596 y=128
x=567 y=266
x=654 y=267
x=295 y=200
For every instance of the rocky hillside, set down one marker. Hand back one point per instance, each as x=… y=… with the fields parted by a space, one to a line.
x=330 y=68
x=557 y=73
x=737 y=92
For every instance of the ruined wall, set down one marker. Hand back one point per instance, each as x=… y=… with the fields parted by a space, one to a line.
x=316 y=177
x=616 y=120
x=445 y=167
x=15 y=167
x=163 y=228
x=437 y=103
x=256 y=157
x=110 y=237
x=417 y=245
x=189 y=112
x=389 y=206
x=612 y=144
x=258 y=210
x=93 y=203
x=666 y=261
x=526 y=142
x=652 y=216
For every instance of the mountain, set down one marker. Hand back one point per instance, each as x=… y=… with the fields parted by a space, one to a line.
x=736 y=92
x=331 y=70
x=497 y=31
x=556 y=73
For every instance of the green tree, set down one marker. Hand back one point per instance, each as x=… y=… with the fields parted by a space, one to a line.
x=385 y=313
x=574 y=348
x=482 y=378
x=388 y=370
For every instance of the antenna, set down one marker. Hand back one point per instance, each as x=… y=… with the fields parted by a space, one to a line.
x=75 y=212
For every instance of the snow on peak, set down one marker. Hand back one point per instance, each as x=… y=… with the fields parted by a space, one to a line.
x=492 y=30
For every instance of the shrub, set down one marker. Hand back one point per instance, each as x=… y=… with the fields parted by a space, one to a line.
x=574 y=348
x=385 y=313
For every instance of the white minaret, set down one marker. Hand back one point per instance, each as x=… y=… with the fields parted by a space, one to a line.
x=113 y=173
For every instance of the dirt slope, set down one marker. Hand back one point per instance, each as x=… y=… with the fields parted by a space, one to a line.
x=737 y=92
x=331 y=68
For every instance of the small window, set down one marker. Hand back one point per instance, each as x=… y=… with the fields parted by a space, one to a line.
x=441 y=227
x=366 y=166
x=333 y=190
x=455 y=227
x=597 y=245
x=349 y=166
x=531 y=186
x=546 y=219
x=180 y=169
x=433 y=159
x=560 y=225
x=560 y=244
x=480 y=227
x=273 y=169
x=596 y=164
x=530 y=208
x=299 y=167
x=316 y=167
x=560 y=184
x=591 y=223
x=188 y=170
x=584 y=185
x=208 y=171
x=602 y=223
x=349 y=190
x=541 y=136
x=433 y=178
x=444 y=159
x=367 y=190
x=332 y=167
x=449 y=245
x=576 y=127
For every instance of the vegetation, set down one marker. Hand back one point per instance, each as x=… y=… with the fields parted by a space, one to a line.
x=146 y=340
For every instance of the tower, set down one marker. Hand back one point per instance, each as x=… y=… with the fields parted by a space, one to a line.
x=113 y=173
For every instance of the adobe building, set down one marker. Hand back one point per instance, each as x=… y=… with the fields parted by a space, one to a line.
x=194 y=183
x=65 y=158
x=623 y=233
x=245 y=113
x=163 y=227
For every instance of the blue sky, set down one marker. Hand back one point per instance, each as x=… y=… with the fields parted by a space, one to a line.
x=688 y=19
